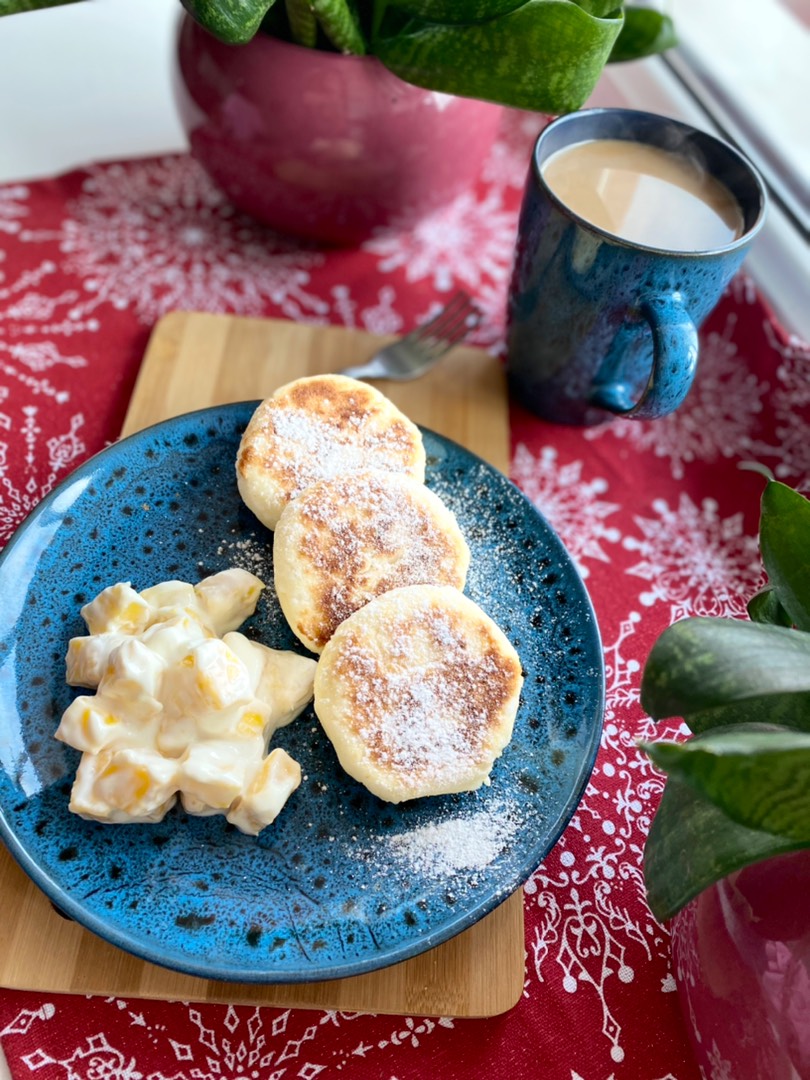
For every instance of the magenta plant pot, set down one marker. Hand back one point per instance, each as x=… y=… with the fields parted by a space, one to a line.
x=741 y=953
x=322 y=145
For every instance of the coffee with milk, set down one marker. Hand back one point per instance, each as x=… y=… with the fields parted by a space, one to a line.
x=645 y=194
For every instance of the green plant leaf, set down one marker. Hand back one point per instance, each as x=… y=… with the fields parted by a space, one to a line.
x=471 y=11
x=455 y=11
x=715 y=672
x=302 y=22
x=13 y=7
x=338 y=23
x=232 y=21
x=601 y=8
x=784 y=538
x=644 y=33
x=692 y=844
x=764 y=607
x=758 y=778
x=546 y=55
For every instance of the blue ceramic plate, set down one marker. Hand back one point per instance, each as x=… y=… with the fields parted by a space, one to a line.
x=341 y=883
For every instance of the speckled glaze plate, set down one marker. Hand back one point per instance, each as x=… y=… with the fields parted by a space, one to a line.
x=341 y=883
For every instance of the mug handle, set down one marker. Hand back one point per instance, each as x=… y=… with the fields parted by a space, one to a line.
x=675 y=353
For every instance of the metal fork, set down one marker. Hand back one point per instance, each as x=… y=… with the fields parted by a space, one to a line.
x=418 y=351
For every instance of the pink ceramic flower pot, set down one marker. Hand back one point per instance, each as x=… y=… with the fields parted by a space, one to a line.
x=322 y=145
x=741 y=953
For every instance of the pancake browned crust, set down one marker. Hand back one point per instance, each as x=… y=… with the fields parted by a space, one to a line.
x=418 y=693
x=346 y=540
x=318 y=427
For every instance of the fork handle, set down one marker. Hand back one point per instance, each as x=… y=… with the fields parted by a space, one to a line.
x=372 y=370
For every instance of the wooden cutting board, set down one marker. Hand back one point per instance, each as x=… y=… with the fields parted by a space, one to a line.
x=195 y=360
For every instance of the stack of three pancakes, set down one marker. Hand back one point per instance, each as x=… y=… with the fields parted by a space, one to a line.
x=416 y=687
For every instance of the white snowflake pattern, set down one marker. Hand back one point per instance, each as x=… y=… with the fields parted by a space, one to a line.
x=509 y=160
x=685 y=959
x=378 y=318
x=510 y=156
x=491 y=331
x=61 y=452
x=96 y=1057
x=720 y=1068
x=412 y=1032
x=158 y=235
x=790 y=400
x=463 y=244
x=584 y=893
x=26 y=1018
x=249 y=1043
x=381 y=318
x=30 y=320
x=36 y=322
x=695 y=560
x=570 y=503
x=12 y=207
x=716 y=421
x=585 y=948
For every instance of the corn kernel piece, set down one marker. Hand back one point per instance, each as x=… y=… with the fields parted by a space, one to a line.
x=133 y=671
x=117 y=608
x=252 y=721
x=285 y=679
x=167 y=598
x=196 y=807
x=97 y=723
x=88 y=658
x=221 y=678
x=213 y=771
x=85 y=725
x=134 y=784
x=228 y=598
x=173 y=640
x=271 y=785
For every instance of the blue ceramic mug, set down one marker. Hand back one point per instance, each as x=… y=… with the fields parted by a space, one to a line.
x=600 y=326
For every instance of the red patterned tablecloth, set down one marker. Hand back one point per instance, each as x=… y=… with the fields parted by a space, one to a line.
x=658 y=517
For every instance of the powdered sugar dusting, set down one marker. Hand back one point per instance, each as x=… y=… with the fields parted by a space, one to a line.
x=430 y=689
x=465 y=842
x=248 y=552
x=347 y=540
x=313 y=446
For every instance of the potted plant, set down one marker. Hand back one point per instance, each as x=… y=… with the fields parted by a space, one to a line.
x=728 y=854
x=334 y=118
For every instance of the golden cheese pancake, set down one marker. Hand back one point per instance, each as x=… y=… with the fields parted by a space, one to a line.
x=319 y=427
x=346 y=540
x=418 y=692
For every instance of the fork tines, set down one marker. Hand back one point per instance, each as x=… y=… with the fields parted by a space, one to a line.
x=452 y=324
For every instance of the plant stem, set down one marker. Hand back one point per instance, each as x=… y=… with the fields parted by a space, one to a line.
x=303 y=24
x=340 y=26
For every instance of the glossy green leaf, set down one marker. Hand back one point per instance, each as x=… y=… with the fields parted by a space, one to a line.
x=470 y=11
x=547 y=55
x=715 y=672
x=764 y=607
x=644 y=33
x=692 y=844
x=302 y=22
x=337 y=21
x=232 y=21
x=12 y=7
x=760 y=779
x=784 y=537
x=455 y=11
x=602 y=9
